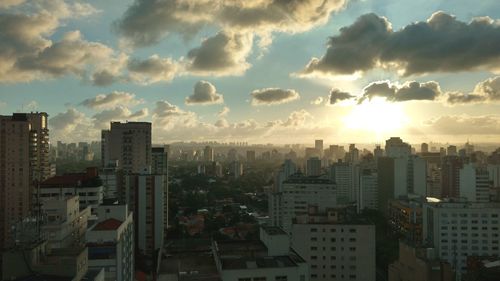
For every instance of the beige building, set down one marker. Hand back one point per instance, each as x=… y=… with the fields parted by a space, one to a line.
x=128 y=143
x=24 y=152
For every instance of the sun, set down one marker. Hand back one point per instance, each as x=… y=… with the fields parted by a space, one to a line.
x=376 y=116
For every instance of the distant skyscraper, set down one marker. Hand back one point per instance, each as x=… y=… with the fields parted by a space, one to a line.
x=395 y=147
x=318 y=145
x=474 y=183
x=313 y=166
x=451 y=150
x=208 y=154
x=424 y=148
x=250 y=155
x=24 y=147
x=130 y=144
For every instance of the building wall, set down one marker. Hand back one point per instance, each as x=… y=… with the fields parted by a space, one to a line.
x=460 y=229
x=336 y=251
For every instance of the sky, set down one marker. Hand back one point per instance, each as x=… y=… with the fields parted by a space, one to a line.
x=263 y=71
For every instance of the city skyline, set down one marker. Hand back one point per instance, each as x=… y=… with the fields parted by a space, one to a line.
x=295 y=71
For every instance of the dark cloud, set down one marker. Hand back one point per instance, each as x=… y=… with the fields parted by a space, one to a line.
x=485 y=91
x=146 y=22
x=204 y=93
x=223 y=54
x=151 y=70
x=111 y=100
x=398 y=93
x=440 y=44
x=337 y=95
x=270 y=96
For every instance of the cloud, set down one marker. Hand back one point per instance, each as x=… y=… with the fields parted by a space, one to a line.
x=147 y=22
x=10 y=3
x=72 y=125
x=152 y=70
x=119 y=113
x=272 y=96
x=223 y=54
x=485 y=91
x=394 y=92
x=204 y=93
x=337 y=95
x=224 y=112
x=112 y=100
x=317 y=101
x=297 y=118
x=440 y=44
x=27 y=53
x=464 y=125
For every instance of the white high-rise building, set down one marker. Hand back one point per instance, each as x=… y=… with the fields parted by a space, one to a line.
x=298 y=192
x=110 y=242
x=461 y=229
x=318 y=145
x=128 y=143
x=395 y=148
x=345 y=175
x=335 y=248
x=143 y=193
x=368 y=190
x=475 y=183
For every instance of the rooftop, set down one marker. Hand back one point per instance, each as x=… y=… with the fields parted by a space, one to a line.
x=109 y=224
x=89 y=178
x=251 y=254
x=273 y=230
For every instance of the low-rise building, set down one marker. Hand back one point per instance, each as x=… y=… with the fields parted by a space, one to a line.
x=88 y=186
x=64 y=223
x=271 y=258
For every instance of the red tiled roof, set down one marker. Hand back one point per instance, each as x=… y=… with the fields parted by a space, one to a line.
x=109 y=224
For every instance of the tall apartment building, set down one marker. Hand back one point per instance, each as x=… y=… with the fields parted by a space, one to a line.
x=345 y=175
x=457 y=230
x=110 y=242
x=144 y=194
x=450 y=173
x=368 y=189
x=297 y=193
x=396 y=148
x=475 y=183
x=208 y=154
x=128 y=143
x=313 y=166
x=318 y=145
x=24 y=156
x=160 y=167
x=335 y=245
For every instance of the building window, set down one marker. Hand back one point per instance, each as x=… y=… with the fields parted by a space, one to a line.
x=281 y=278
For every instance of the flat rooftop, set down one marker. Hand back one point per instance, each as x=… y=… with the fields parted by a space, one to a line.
x=253 y=254
x=273 y=230
x=190 y=260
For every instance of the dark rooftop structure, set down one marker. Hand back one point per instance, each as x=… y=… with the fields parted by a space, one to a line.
x=190 y=260
x=252 y=254
x=273 y=230
x=300 y=178
x=88 y=179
